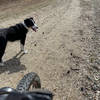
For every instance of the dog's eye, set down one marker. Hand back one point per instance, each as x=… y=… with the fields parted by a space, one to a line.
x=32 y=21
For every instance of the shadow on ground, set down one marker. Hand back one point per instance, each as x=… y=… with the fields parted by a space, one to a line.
x=13 y=65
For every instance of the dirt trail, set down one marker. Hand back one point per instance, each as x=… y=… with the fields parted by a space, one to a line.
x=57 y=52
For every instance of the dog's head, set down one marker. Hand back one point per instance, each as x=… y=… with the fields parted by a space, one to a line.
x=30 y=23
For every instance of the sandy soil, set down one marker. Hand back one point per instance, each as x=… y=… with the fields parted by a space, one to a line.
x=61 y=52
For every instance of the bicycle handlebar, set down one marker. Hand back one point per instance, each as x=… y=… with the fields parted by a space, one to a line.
x=11 y=94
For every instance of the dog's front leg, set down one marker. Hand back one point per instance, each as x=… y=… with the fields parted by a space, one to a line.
x=22 y=48
x=3 y=44
x=22 y=43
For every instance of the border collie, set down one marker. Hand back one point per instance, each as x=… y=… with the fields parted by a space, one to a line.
x=13 y=33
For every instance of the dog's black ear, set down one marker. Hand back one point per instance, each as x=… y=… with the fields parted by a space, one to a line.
x=29 y=22
x=27 y=19
x=31 y=18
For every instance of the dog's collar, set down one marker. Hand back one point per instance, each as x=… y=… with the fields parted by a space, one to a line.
x=25 y=25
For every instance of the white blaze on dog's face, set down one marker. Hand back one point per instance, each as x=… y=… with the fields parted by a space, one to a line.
x=34 y=27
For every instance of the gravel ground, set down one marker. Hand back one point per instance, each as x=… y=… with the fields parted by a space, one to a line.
x=64 y=51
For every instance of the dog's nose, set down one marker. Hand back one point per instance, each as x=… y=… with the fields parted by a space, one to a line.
x=37 y=27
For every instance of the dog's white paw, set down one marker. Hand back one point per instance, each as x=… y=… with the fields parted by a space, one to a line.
x=25 y=51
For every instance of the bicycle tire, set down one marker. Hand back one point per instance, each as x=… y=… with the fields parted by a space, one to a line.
x=30 y=79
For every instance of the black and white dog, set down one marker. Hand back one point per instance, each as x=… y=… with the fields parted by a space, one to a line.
x=13 y=33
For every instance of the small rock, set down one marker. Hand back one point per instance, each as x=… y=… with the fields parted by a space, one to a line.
x=71 y=53
x=42 y=32
x=35 y=44
x=68 y=71
x=55 y=89
x=82 y=89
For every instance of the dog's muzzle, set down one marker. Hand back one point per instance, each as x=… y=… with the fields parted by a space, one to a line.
x=35 y=27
